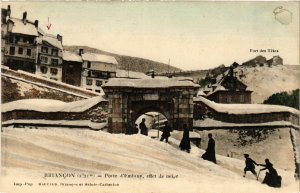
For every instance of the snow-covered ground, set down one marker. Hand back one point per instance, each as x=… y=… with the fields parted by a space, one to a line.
x=27 y=154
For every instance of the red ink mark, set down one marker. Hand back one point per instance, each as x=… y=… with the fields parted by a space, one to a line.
x=48 y=25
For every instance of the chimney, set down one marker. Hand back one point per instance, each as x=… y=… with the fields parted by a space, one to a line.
x=24 y=17
x=8 y=11
x=152 y=74
x=59 y=38
x=80 y=51
x=36 y=23
x=231 y=71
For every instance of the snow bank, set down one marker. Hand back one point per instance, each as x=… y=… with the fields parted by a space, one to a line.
x=149 y=83
x=245 y=108
x=30 y=153
x=48 y=105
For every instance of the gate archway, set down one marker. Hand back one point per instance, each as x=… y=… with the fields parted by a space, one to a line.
x=129 y=98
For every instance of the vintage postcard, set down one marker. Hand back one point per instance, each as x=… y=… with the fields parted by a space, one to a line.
x=149 y=97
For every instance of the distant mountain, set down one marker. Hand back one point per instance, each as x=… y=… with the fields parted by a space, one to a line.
x=134 y=63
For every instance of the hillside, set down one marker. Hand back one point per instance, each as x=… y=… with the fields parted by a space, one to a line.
x=265 y=81
x=134 y=63
x=262 y=80
x=29 y=154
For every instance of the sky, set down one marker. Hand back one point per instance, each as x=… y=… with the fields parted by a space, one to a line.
x=193 y=35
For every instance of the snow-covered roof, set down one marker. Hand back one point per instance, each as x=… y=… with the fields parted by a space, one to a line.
x=21 y=28
x=245 y=108
x=132 y=74
x=71 y=56
x=49 y=105
x=201 y=93
x=51 y=39
x=57 y=123
x=99 y=58
x=215 y=123
x=149 y=83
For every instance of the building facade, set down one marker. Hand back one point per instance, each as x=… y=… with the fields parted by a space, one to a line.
x=96 y=70
x=229 y=90
x=20 y=51
x=72 y=68
x=50 y=52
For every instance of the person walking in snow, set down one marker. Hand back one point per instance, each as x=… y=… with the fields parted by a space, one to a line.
x=210 y=154
x=135 y=129
x=143 y=128
x=166 y=132
x=272 y=178
x=185 y=143
x=250 y=166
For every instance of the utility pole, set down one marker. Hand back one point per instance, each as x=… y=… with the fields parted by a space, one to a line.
x=128 y=70
x=158 y=125
x=169 y=68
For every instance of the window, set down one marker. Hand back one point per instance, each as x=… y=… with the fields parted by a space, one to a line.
x=54 y=62
x=89 y=64
x=12 y=51
x=228 y=99
x=70 y=69
x=99 y=91
x=43 y=69
x=54 y=52
x=98 y=82
x=20 y=51
x=17 y=39
x=44 y=50
x=44 y=59
x=104 y=74
x=89 y=81
x=112 y=75
x=53 y=71
x=28 y=52
x=89 y=73
x=11 y=39
x=242 y=98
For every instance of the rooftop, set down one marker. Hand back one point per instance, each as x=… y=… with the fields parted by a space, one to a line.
x=99 y=58
x=71 y=56
x=51 y=39
x=20 y=28
x=150 y=83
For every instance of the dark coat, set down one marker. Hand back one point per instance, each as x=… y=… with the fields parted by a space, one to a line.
x=210 y=154
x=250 y=164
x=166 y=131
x=185 y=143
x=143 y=128
x=272 y=178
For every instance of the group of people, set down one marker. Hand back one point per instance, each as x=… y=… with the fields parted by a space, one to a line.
x=272 y=178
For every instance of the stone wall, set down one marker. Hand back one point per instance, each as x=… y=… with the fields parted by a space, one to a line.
x=202 y=111
x=12 y=90
x=97 y=113
x=48 y=83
